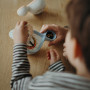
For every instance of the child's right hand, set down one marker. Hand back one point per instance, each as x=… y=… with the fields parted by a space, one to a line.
x=20 y=33
x=53 y=56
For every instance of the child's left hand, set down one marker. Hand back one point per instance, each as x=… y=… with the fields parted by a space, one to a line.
x=53 y=56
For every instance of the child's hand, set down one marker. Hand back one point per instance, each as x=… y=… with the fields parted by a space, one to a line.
x=60 y=32
x=53 y=56
x=20 y=33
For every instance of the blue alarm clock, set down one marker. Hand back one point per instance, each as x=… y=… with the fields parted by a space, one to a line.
x=37 y=40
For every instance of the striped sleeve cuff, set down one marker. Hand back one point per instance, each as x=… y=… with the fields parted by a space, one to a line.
x=20 y=66
x=58 y=66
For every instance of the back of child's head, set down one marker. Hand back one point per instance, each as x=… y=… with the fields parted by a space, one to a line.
x=78 y=12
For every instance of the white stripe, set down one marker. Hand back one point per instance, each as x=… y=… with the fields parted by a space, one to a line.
x=56 y=67
x=59 y=62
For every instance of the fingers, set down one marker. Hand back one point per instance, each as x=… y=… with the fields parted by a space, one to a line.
x=54 y=28
x=23 y=23
x=57 y=40
x=17 y=23
x=25 y=28
x=52 y=54
x=48 y=55
x=48 y=27
x=58 y=57
x=30 y=28
x=44 y=28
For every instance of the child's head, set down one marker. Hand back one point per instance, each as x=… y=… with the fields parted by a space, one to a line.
x=78 y=39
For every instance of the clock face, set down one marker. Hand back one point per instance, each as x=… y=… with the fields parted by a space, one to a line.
x=35 y=43
x=50 y=35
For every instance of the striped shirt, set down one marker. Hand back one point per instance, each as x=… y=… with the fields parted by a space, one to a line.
x=53 y=79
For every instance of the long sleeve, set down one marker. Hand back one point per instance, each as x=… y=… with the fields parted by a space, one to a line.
x=57 y=66
x=22 y=80
x=20 y=66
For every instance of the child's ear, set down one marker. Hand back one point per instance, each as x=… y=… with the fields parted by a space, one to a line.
x=77 y=49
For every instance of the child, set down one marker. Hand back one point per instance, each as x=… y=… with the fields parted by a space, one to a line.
x=76 y=48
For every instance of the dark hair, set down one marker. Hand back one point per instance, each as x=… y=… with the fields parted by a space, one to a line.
x=78 y=12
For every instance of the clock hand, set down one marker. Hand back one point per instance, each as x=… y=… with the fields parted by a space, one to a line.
x=31 y=43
